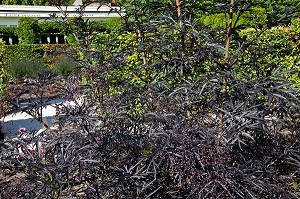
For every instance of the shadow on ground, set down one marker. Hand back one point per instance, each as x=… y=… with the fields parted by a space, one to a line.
x=10 y=128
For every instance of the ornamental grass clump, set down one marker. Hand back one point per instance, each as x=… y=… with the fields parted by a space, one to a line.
x=25 y=68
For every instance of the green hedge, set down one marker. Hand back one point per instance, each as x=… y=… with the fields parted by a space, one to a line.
x=43 y=27
x=22 y=52
x=50 y=27
x=9 y=31
x=254 y=17
x=281 y=48
x=3 y=81
x=2 y=71
x=295 y=23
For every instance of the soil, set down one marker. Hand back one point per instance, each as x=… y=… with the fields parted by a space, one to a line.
x=32 y=90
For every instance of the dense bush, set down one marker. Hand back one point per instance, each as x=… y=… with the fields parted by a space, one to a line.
x=28 y=30
x=280 y=49
x=21 y=61
x=296 y=23
x=3 y=86
x=279 y=9
x=2 y=71
x=50 y=27
x=9 y=31
x=3 y=79
x=255 y=17
x=112 y=24
x=265 y=12
x=52 y=53
x=43 y=27
x=170 y=110
x=79 y=30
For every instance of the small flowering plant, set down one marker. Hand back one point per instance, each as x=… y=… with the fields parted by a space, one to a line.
x=22 y=131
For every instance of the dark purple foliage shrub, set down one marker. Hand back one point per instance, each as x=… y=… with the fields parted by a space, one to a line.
x=161 y=114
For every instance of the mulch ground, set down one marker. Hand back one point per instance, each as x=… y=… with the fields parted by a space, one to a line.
x=33 y=90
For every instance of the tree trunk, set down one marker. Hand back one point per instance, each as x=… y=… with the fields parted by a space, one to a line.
x=179 y=13
x=226 y=57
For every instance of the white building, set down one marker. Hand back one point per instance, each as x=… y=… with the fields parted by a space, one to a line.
x=10 y=14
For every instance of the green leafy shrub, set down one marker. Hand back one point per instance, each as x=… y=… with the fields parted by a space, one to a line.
x=295 y=23
x=11 y=2
x=52 y=53
x=41 y=3
x=70 y=39
x=28 y=30
x=43 y=27
x=80 y=31
x=3 y=82
x=113 y=24
x=107 y=25
x=255 y=17
x=50 y=27
x=3 y=85
x=10 y=31
x=281 y=49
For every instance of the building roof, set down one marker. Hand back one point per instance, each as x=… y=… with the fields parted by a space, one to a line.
x=12 y=13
